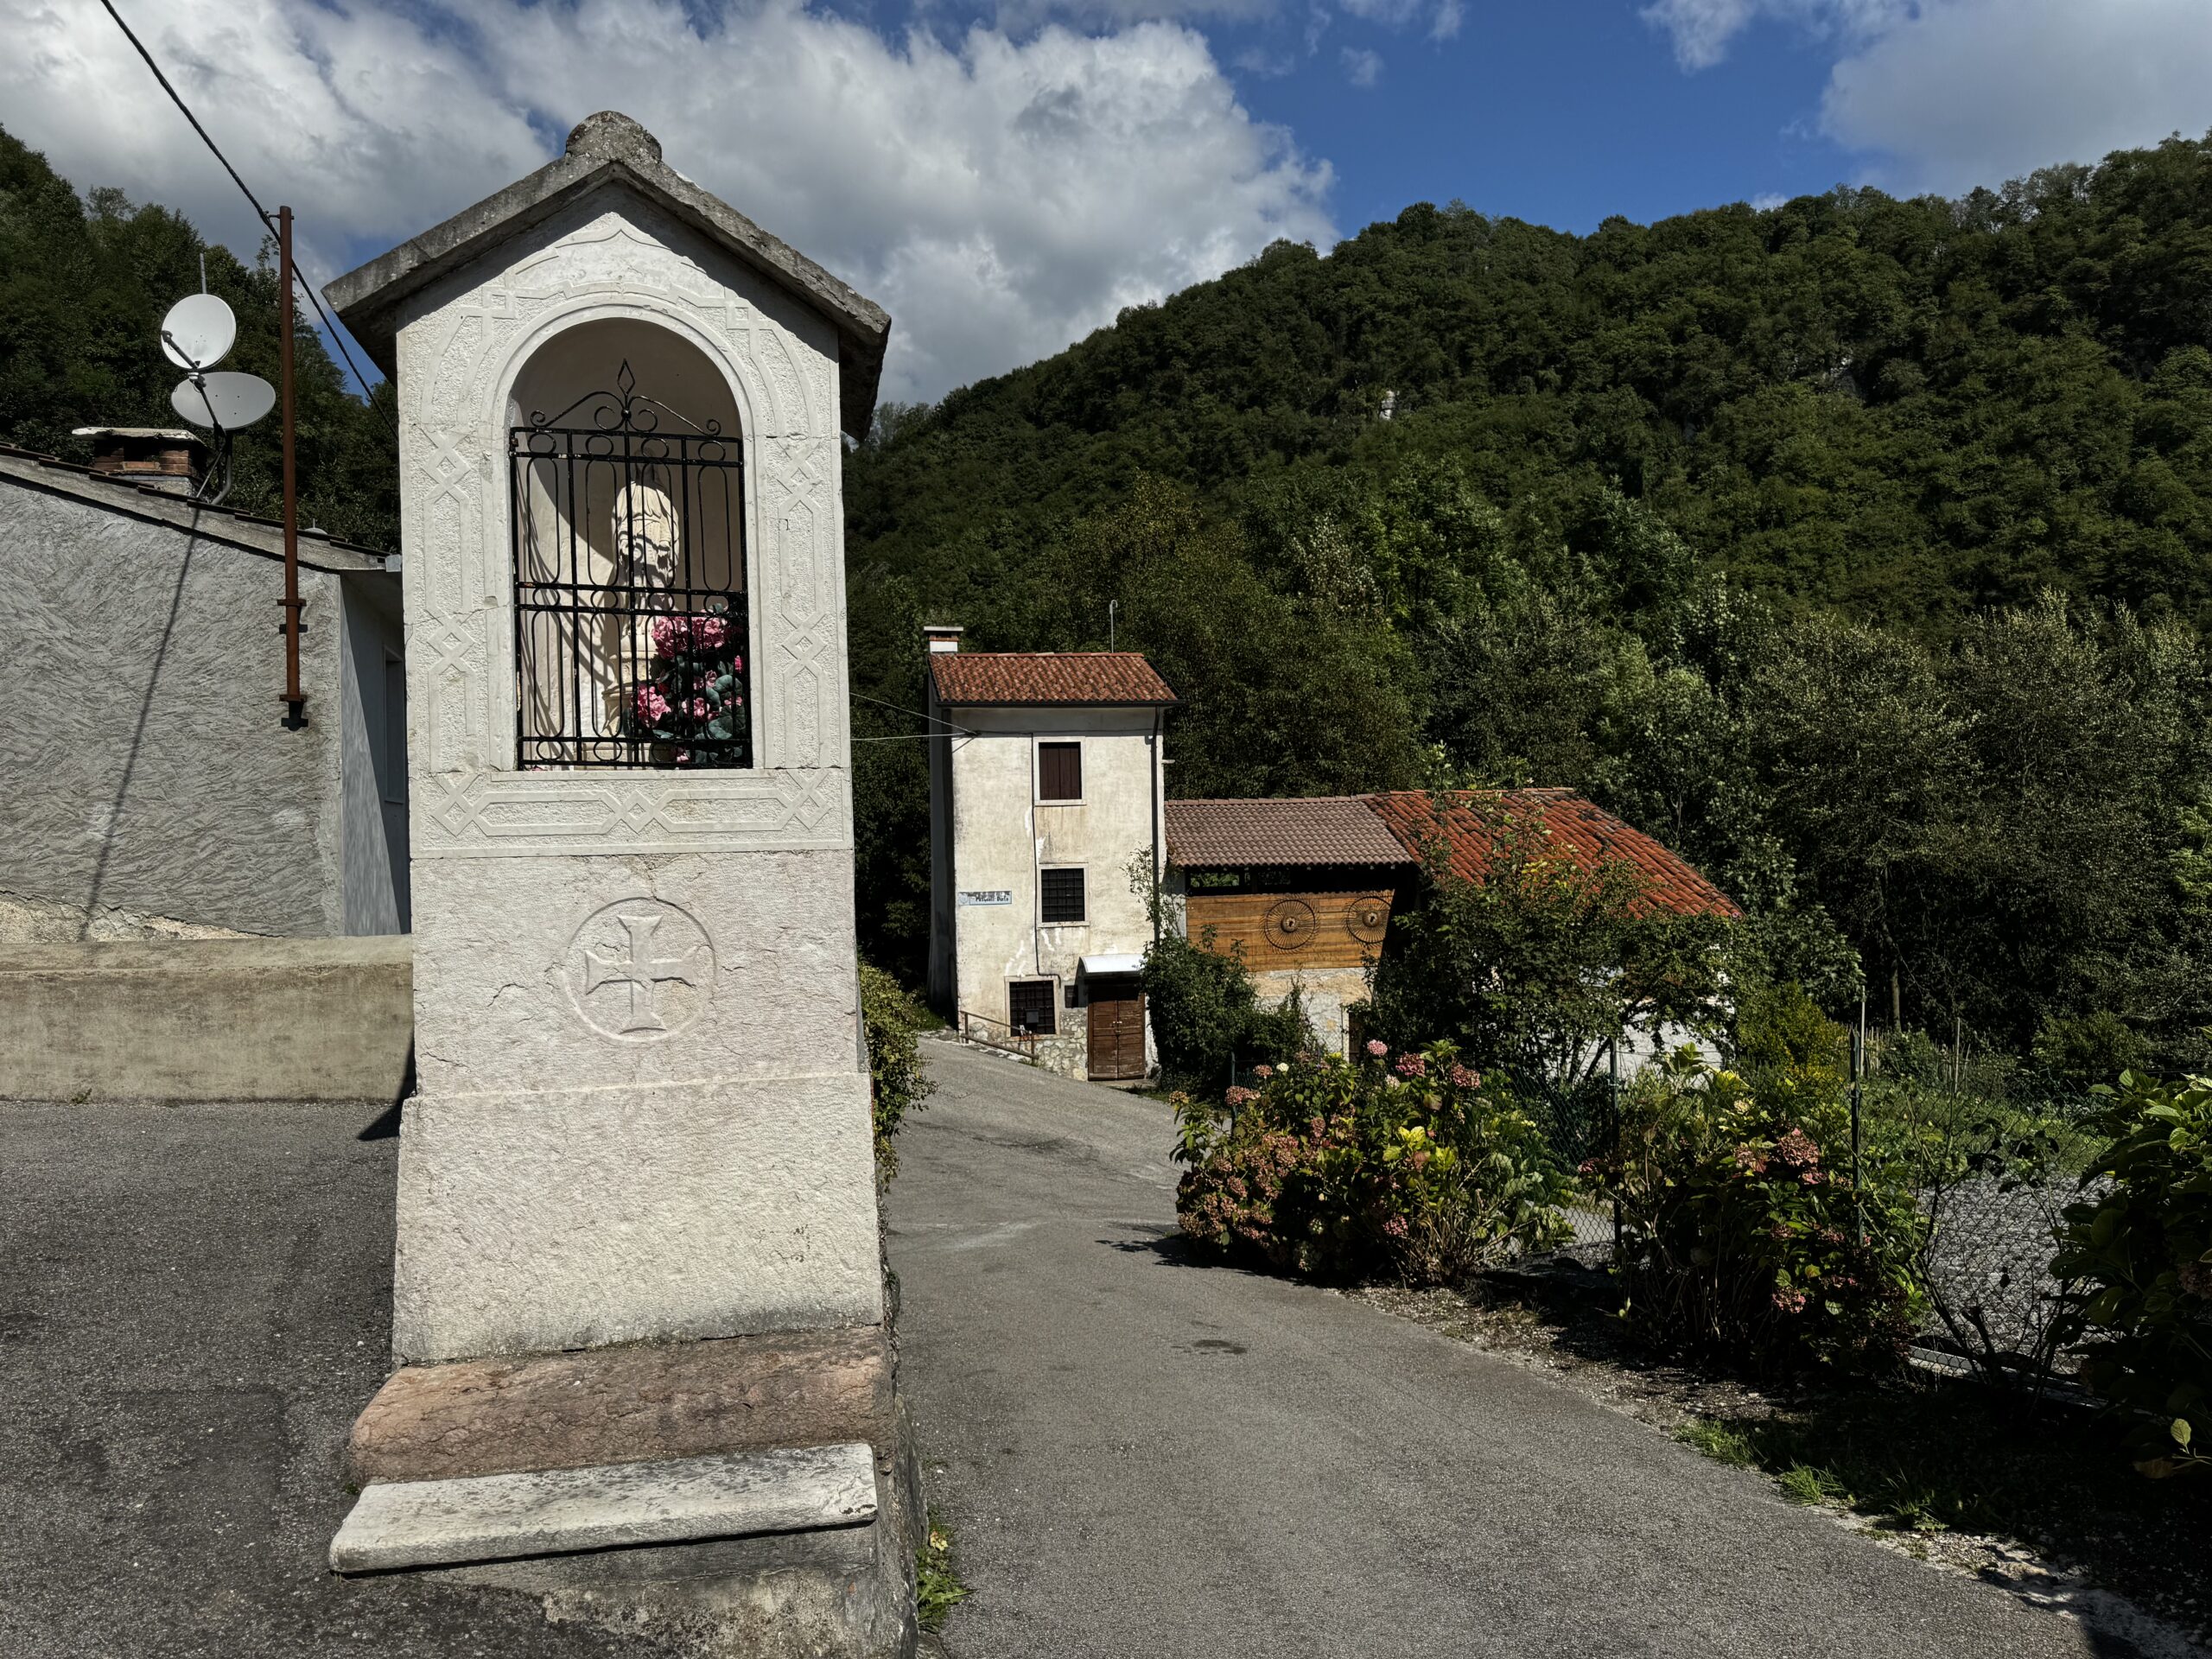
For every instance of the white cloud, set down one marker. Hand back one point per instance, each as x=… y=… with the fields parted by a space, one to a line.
x=1976 y=91
x=1000 y=196
x=1703 y=29
x=1363 y=68
x=1444 y=15
x=1947 y=94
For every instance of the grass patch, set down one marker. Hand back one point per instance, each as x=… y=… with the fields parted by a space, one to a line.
x=1921 y=1455
x=937 y=1589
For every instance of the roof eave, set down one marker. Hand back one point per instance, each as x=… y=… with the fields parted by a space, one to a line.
x=368 y=298
x=1056 y=702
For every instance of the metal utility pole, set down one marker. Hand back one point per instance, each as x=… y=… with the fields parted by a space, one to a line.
x=294 y=697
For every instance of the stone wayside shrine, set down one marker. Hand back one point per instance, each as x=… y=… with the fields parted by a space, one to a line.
x=639 y=1300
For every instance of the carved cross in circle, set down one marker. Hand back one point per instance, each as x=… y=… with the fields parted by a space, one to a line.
x=643 y=973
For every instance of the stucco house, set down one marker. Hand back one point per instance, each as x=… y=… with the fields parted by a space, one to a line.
x=1046 y=800
x=155 y=786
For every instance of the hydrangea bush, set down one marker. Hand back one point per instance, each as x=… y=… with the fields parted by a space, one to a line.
x=1407 y=1167
x=1743 y=1228
x=689 y=703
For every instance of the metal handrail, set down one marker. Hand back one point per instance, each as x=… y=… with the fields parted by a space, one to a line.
x=981 y=1029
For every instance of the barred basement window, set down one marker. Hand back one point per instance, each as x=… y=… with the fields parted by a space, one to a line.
x=629 y=562
x=1062 y=893
x=1029 y=1006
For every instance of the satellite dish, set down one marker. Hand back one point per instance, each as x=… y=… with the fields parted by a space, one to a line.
x=227 y=400
x=199 y=332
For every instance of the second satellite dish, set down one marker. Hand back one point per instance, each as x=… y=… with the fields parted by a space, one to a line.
x=227 y=400
x=199 y=332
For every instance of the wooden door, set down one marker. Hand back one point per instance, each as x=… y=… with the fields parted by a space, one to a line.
x=1117 y=1053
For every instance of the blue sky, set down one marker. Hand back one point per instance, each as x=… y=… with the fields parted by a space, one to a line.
x=1005 y=175
x=1559 y=114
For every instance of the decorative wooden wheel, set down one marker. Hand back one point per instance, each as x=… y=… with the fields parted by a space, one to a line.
x=1290 y=923
x=1368 y=918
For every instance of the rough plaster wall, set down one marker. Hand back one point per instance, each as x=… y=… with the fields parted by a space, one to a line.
x=146 y=771
x=1001 y=836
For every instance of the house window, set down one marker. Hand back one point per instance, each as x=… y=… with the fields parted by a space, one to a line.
x=1059 y=772
x=1029 y=1006
x=1062 y=895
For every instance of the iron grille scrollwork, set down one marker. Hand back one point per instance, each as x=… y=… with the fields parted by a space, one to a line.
x=630 y=606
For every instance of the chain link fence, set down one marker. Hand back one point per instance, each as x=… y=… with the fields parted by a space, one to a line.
x=1993 y=1151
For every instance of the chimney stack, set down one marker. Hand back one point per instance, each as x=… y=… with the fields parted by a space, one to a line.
x=941 y=638
x=170 y=460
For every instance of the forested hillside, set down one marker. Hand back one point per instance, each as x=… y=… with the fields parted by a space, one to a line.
x=1859 y=548
x=84 y=284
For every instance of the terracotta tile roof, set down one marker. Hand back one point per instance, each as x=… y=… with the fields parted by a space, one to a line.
x=1325 y=829
x=1032 y=678
x=1579 y=829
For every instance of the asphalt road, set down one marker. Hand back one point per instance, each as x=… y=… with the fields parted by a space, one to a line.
x=195 y=1302
x=1140 y=1455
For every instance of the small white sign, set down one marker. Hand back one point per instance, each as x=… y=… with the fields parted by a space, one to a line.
x=991 y=896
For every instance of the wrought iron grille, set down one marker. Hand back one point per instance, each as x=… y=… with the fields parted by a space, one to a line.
x=629 y=563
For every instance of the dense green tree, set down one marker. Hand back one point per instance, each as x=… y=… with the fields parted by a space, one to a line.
x=84 y=284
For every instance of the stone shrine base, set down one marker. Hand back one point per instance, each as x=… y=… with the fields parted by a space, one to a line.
x=760 y=1495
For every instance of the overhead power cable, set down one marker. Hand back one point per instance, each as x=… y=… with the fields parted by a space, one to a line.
x=330 y=328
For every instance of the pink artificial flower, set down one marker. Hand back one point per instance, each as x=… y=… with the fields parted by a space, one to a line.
x=1412 y=1065
x=1377 y=1047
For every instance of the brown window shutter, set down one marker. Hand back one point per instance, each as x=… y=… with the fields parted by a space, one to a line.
x=1059 y=772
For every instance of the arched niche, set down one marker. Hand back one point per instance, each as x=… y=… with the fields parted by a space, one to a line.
x=628 y=552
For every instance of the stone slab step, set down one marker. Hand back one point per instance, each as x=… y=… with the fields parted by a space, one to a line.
x=402 y=1523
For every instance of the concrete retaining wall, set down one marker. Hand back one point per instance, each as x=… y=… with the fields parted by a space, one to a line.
x=206 y=1019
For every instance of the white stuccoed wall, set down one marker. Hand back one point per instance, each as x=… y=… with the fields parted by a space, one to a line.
x=563 y=1182
x=1002 y=836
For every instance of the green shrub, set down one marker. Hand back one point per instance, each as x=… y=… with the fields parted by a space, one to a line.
x=2141 y=1251
x=891 y=1018
x=1206 y=1017
x=1349 y=1169
x=1742 y=1228
x=2086 y=1049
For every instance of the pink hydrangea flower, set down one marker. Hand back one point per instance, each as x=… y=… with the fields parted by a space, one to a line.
x=1239 y=1097
x=1463 y=1078
x=711 y=633
x=1789 y=1302
x=697 y=709
x=1263 y=1072
x=1377 y=1047
x=1412 y=1065
x=652 y=704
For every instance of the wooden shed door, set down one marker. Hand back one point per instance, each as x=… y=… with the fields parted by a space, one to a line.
x=1116 y=1029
